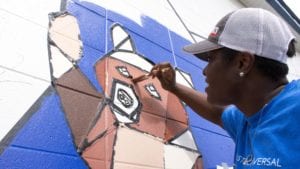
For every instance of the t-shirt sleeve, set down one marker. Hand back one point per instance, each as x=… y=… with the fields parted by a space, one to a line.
x=231 y=119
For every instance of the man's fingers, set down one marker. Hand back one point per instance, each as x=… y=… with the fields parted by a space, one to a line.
x=161 y=70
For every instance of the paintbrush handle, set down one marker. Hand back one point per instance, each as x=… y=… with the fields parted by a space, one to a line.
x=140 y=78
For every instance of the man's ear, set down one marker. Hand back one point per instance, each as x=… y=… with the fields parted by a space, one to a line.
x=245 y=61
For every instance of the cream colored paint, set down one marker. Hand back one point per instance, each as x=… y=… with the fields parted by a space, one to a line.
x=65 y=33
x=186 y=140
x=59 y=62
x=184 y=79
x=179 y=158
x=133 y=147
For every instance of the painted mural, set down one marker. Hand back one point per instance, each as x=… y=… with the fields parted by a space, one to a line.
x=94 y=116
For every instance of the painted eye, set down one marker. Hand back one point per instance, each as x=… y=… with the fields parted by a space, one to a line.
x=123 y=71
x=150 y=88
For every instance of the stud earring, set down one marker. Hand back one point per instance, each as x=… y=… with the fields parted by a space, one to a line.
x=242 y=74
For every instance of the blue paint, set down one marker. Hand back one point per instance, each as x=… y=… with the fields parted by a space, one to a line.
x=91 y=24
x=214 y=148
x=87 y=63
x=45 y=141
x=20 y=158
x=47 y=129
x=152 y=51
x=178 y=43
x=199 y=122
x=150 y=29
x=88 y=6
x=195 y=72
x=144 y=46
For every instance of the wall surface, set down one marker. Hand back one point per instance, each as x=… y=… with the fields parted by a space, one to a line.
x=60 y=71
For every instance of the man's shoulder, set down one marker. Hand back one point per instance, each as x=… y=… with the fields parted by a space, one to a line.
x=290 y=92
x=232 y=113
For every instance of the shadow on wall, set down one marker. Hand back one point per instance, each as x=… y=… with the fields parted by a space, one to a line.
x=85 y=118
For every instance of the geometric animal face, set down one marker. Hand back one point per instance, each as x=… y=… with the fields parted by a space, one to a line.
x=145 y=108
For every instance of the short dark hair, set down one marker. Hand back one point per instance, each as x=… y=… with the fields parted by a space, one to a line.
x=270 y=68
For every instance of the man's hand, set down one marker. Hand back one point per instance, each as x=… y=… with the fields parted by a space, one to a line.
x=165 y=74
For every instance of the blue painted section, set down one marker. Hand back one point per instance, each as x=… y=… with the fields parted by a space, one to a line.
x=92 y=25
x=194 y=70
x=45 y=141
x=87 y=63
x=20 y=158
x=153 y=52
x=143 y=45
x=88 y=6
x=150 y=29
x=47 y=129
x=199 y=122
x=214 y=148
x=178 y=43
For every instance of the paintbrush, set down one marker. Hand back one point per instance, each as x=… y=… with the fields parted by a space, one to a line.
x=140 y=78
x=146 y=76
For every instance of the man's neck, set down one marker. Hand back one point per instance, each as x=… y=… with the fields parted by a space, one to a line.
x=258 y=94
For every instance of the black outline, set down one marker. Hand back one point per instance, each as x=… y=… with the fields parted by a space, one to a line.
x=120 y=67
x=149 y=92
x=24 y=119
x=178 y=135
x=52 y=16
x=181 y=72
x=137 y=110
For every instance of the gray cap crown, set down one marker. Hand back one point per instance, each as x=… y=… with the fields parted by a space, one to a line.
x=252 y=30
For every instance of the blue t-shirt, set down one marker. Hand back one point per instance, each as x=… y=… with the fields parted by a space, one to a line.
x=271 y=137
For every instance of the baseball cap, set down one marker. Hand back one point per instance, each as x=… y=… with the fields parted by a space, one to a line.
x=252 y=30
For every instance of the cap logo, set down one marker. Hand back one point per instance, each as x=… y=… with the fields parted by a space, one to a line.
x=214 y=33
x=219 y=28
